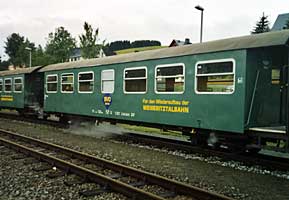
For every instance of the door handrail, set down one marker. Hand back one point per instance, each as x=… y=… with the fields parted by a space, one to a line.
x=252 y=99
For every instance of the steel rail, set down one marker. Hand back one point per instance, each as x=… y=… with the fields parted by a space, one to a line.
x=90 y=175
x=177 y=187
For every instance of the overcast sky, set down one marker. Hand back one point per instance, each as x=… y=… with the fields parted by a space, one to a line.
x=161 y=20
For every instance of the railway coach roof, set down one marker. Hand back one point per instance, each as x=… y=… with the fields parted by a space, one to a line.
x=245 y=42
x=19 y=71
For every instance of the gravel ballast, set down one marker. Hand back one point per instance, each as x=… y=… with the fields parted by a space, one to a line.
x=18 y=179
x=21 y=180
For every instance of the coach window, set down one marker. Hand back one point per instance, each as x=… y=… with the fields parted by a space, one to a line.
x=85 y=82
x=215 y=77
x=1 y=85
x=170 y=78
x=135 y=80
x=275 y=76
x=8 y=85
x=107 y=81
x=67 y=83
x=18 y=85
x=51 y=83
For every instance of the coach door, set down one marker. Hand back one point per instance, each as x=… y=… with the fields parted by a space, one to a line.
x=284 y=88
x=284 y=100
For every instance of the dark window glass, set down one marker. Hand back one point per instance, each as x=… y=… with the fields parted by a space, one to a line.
x=223 y=83
x=85 y=82
x=85 y=77
x=67 y=79
x=135 y=85
x=275 y=76
x=18 y=85
x=51 y=82
x=8 y=85
x=135 y=80
x=136 y=73
x=86 y=86
x=18 y=80
x=51 y=87
x=211 y=78
x=67 y=87
x=170 y=71
x=51 y=78
x=67 y=83
x=170 y=85
x=170 y=79
x=211 y=68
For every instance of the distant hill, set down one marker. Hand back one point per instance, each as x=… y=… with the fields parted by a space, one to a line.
x=116 y=46
x=131 y=50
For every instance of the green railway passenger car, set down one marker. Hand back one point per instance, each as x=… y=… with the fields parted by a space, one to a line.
x=232 y=90
x=21 y=90
x=223 y=86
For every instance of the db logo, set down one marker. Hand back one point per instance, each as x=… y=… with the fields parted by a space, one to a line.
x=107 y=100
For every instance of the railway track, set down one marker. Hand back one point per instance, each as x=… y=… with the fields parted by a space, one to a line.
x=75 y=162
x=267 y=161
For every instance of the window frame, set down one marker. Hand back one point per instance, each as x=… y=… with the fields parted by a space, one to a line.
x=146 y=78
x=170 y=65
x=50 y=75
x=21 y=78
x=216 y=74
x=5 y=85
x=79 y=81
x=2 y=83
x=108 y=80
x=67 y=92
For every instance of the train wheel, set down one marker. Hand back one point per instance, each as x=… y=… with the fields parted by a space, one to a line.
x=63 y=119
x=253 y=150
x=21 y=112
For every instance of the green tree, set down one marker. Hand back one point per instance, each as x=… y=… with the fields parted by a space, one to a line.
x=40 y=57
x=60 y=45
x=145 y=43
x=262 y=25
x=12 y=45
x=15 y=48
x=88 y=42
x=119 y=45
x=3 y=64
x=126 y=44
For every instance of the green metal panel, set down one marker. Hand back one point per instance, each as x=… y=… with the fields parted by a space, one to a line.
x=12 y=99
x=209 y=111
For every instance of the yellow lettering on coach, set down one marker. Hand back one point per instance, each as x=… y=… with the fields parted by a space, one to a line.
x=6 y=98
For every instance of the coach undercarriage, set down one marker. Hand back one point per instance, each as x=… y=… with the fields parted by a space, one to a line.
x=253 y=140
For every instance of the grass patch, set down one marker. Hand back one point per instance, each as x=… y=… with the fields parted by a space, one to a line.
x=131 y=50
